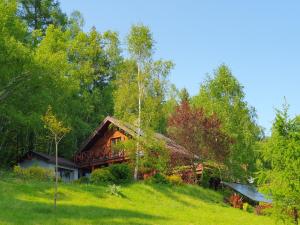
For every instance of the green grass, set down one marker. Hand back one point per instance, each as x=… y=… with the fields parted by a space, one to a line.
x=32 y=203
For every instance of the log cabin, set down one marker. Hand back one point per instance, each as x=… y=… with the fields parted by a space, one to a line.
x=97 y=151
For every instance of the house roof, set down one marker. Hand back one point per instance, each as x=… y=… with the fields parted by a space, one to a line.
x=132 y=131
x=51 y=159
x=248 y=191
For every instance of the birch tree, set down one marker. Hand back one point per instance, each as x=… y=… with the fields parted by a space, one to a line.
x=140 y=47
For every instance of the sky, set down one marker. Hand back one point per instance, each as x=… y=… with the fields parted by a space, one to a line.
x=258 y=40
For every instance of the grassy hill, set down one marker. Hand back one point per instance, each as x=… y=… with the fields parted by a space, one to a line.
x=32 y=203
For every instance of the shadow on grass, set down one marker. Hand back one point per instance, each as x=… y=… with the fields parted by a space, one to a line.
x=44 y=213
x=189 y=191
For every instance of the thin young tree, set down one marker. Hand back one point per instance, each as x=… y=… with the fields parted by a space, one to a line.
x=140 y=44
x=57 y=131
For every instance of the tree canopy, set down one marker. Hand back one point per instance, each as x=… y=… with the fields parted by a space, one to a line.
x=279 y=174
x=223 y=95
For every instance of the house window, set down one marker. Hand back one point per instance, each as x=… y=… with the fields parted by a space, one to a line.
x=114 y=141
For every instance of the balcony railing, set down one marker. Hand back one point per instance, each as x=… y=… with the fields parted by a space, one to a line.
x=98 y=157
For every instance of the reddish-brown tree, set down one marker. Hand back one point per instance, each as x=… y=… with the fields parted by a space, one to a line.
x=199 y=133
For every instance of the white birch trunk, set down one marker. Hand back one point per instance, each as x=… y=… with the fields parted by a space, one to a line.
x=136 y=169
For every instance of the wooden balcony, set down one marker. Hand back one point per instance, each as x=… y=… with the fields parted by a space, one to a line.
x=98 y=158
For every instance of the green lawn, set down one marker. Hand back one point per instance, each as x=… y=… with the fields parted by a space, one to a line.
x=32 y=203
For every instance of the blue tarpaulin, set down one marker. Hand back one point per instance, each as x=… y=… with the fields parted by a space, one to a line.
x=248 y=191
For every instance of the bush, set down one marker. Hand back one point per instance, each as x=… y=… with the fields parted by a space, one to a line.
x=121 y=173
x=102 y=176
x=35 y=173
x=236 y=201
x=175 y=179
x=246 y=206
x=114 y=190
x=159 y=179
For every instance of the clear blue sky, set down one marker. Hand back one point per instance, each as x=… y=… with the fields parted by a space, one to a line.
x=258 y=40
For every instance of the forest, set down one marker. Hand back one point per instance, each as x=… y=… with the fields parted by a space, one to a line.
x=48 y=61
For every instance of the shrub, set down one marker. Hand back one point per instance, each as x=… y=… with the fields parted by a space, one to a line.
x=121 y=173
x=246 y=206
x=102 y=176
x=35 y=173
x=175 y=179
x=159 y=179
x=114 y=190
x=236 y=201
x=262 y=208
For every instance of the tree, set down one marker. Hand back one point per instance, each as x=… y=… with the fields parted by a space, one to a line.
x=223 y=95
x=72 y=71
x=57 y=131
x=279 y=176
x=39 y=14
x=200 y=134
x=140 y=45
x=76 y=22
x=140 y=86
x=184 y=95
x=13 y=51
x=16 y=64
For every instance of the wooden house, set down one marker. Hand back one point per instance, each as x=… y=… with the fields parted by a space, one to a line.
x=97 y=151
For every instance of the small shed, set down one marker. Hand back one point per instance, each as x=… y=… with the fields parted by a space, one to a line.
x=67 y=170
x=248 y=191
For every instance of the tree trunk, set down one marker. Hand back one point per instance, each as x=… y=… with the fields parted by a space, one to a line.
x=136 y=169
x=56 y=171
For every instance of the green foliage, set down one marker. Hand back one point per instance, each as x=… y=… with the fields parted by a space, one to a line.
x=102 y=176
x=33 y=173
x=247 y=207
x=38 y=14
x=175 y=179
x=114 y=174
x=154 y=154
x=279 y=175
x=114 y=190
x=70 y=70
x=159 y=178
x=140 y=42
x=142 y=77
x=122 y=173
x=56 y=127
x=223 y=95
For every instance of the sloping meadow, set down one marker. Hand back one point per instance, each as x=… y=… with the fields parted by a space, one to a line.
x=24 y=202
